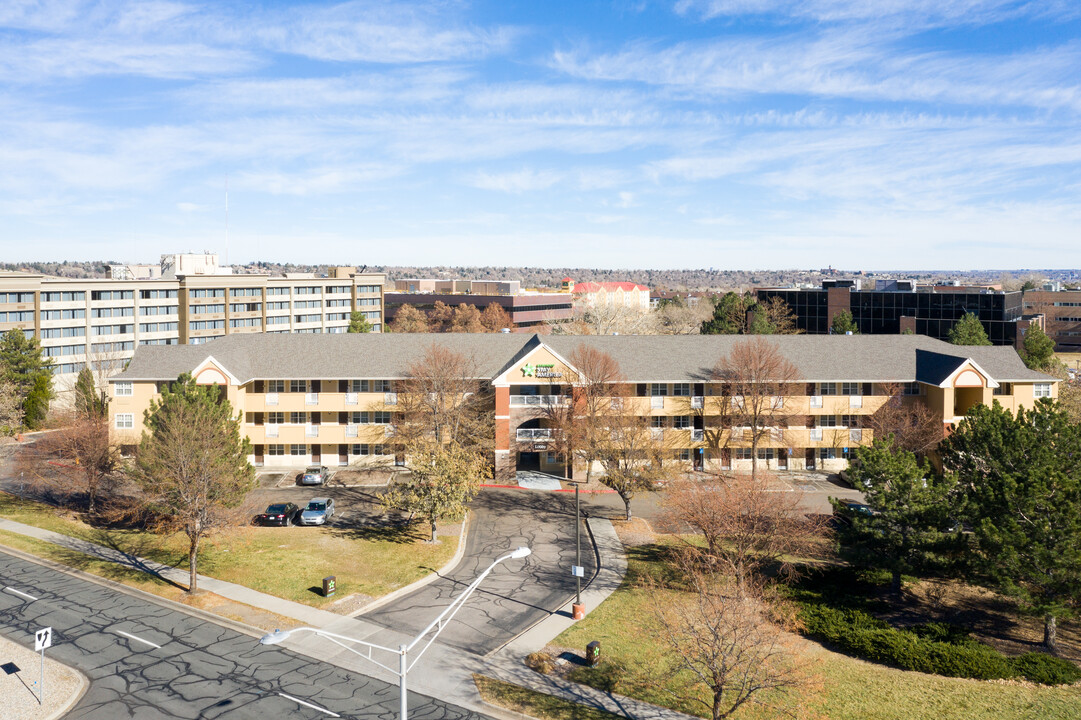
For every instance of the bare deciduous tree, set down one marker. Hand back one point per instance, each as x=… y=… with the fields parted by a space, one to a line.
x=748 y=522
x=11 y=408
x=83 y=459
x=603 y=319
x=913 y=425
x=633 y=456
x=409 y=319
x=756 y=380
x=725 y=638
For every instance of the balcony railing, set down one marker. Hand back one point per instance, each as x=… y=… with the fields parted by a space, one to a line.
x=855 y=401
x=537 y=400
x=816 y=401
x=311 y=398
x=390 y=398
x=816 y=433
x=272 y=398
x=657 y=433
x=527 y=434
x=656 y=402
x=350 y=430
x=855 y=435
x=272 y=431
x=697 y=402
x=698 y=435
x=351 y=398
x=311 y=431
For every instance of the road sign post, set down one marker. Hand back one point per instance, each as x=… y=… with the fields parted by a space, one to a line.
x=43 y=638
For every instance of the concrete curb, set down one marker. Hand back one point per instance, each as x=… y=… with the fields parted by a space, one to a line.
x=426 y=580
x=83 y=687
x=136 y=592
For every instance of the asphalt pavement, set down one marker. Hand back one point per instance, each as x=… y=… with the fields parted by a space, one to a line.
x=148 y=661
x=518 y=593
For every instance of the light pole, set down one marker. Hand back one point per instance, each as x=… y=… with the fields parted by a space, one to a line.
x=404 y=663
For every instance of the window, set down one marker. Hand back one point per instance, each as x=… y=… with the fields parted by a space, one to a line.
x=157 y=294
x=744 y=453
x=246 y=322
x=23 y=316
x=112 y=312
x=681 y=389
x=277 y=320
x=850 y=388
x=17 y=297
x=245 y=307
x=1004 y=389
x=61 y=350
x=112 y=295
x=246 y=292
x=367 y=301
x=111 y=347
x=298 y=418
x=684 y=454
x=658 y=421
x=52 y=333
x=765 y=453
x=298 y=449
x=275 y=386
x=279 y=305
x=681 y=422
x=63 y=314
x=206 y=293
x=206 y=325
x=658 y=389
x=160 y=341
x=275 y=417
x=123 y=389
x=278 y=449
x=207 y=309
x=369 y=289
x=342 y=302
x=62 y=297
x=379 y=417
x=1041 y=390
x=298 y=386
x=125 y=421
x=277 y=291
x=366 y=449
x=157 y=327
x=113 y=329
x=158 y=310
x=913 y=388
x=307 y=318
x=307 y=304
x=308 y=290
x=827 y=388
x=337 y=289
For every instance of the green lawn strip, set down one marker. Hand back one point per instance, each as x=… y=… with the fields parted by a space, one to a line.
x=92 y=565
x=536 y=704
x=848 y=688
x=287 y=562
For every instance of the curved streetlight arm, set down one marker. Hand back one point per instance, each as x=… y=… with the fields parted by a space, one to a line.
x=448 y=614
x=279 y=635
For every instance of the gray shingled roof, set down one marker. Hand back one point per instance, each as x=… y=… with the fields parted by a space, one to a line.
x=642 y=358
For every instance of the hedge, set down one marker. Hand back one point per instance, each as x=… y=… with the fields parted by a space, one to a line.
x=935 y=648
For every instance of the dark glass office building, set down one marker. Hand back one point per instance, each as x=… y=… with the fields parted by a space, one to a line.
x=925 y=310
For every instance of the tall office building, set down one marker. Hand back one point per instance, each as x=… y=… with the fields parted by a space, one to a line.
x=98 y=323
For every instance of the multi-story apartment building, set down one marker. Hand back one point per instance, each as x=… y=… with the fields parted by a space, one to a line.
x=897 y=306
x=334 y=399
x=1062 y=313
x=99 y=323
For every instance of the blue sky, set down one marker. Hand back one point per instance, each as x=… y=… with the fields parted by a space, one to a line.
x=697 y=133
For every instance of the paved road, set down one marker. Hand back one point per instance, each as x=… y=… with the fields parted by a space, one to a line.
x=200 y=670
x=517 y=593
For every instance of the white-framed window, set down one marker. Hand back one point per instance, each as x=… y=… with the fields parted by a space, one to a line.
x=913 y=388
x=850 y=388
x=275 y=418
x=658 y=389
x=1041 y=390
x=298 y=449
x=125 y=421
x=681 y=422
x=275 y=386
x=298 y=418
x=123 y=389
x=827 y=388
x=298 y=386
x=658 y=421
x=681 y=389
x=275 y=449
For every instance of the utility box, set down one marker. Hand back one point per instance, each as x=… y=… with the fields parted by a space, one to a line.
x=593 y=653
x=330 y=584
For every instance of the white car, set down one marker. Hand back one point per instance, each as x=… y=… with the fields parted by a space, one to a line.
x=317 y=512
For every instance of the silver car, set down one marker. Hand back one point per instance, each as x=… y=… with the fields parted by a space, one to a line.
x=318 y=511
x=315 y=475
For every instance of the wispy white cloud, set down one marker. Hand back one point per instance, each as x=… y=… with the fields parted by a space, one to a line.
x=924 y=13
x=519 y=181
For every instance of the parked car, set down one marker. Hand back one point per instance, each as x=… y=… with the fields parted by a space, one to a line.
x=315 y=475
x=849 y=509
x=278 y=514
x=318 y=511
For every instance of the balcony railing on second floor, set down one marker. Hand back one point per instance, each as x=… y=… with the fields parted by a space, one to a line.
x=537 y=400
x=528 y=434
x=311 y=431
x=272 y=398
x=698 y=435
x=697 y=402
x=855 y=435
x=311 y=398
x=816 y=433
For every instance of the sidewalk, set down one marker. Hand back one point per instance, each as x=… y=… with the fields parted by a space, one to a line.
x=442 y=672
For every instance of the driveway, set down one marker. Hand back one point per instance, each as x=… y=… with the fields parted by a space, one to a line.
x=518 y=593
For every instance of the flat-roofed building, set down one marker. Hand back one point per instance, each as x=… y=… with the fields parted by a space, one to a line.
x=99 y=322
x=1062 y=316
x=334 y=399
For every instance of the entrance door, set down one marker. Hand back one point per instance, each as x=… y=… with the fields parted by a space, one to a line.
x=782 y=459
x=809 y=459
x=529 y=461
x=317 y=454
x=698 y=456
x=343 y=455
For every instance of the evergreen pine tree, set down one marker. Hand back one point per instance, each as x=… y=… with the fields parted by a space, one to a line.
x=968 y=331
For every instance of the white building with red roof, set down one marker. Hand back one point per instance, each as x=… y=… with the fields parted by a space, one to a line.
x=612 y=294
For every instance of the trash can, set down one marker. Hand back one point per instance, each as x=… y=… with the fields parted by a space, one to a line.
x=593 y=653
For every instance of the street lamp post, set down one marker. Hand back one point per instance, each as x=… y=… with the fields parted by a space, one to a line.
x=404 y=663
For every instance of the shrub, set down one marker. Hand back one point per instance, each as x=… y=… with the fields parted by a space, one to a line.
x=541 y=662
x=858 y=633
x=1046 y=669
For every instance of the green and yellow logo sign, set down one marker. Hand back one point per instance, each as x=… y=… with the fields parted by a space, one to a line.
x=540 y=370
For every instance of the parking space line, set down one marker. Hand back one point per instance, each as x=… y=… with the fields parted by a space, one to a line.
x=134 y=637
x=308 y=704
x=28 y=596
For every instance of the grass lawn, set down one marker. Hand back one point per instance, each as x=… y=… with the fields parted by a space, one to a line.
x=538 y=705
x=844 y=688
x=288 y=562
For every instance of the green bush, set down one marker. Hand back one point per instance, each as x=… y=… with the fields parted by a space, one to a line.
x=858 y=633
x=1046 y=669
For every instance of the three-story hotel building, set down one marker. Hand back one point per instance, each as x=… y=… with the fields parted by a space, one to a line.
x=333 y=399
